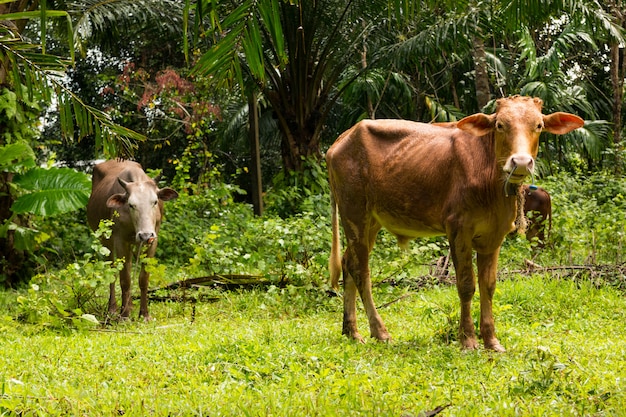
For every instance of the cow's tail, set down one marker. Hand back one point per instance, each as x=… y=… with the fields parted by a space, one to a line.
x=334 y=262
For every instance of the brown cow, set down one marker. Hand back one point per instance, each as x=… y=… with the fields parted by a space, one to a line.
x=123 y=187
x=419 y=180
x=538 y=209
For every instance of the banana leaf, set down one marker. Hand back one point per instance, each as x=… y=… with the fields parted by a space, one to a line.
x=51 y=191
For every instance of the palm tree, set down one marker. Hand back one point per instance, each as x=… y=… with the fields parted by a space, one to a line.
x=294 y=54
x=471 y=52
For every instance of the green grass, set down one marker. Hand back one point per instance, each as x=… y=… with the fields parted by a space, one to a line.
x=280 y=353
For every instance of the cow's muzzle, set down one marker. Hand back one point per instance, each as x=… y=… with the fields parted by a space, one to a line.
x=146 y=237
x=518 y=167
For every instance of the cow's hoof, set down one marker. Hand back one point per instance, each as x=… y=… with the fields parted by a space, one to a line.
x=469 y=344
x=382 y=337
x=356 y=336
x=495 y=346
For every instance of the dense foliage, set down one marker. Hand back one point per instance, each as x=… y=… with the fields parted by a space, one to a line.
x=212 y=235
x=183 y=75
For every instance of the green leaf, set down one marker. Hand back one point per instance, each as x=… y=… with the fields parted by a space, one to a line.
x=270 y=15
x=53 y=191
x=25 y=238
x=8 y=103
x=252 y=46
x=16 y=156
x=90 y=318
x=34 y=15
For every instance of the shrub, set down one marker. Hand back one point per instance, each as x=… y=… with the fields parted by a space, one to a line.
x=75 y=295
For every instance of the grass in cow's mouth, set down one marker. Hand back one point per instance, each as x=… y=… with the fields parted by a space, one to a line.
x=280 y=352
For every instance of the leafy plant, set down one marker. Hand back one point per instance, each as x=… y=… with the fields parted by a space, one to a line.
x=77 y=294
x=34 y=191
x=295 y=192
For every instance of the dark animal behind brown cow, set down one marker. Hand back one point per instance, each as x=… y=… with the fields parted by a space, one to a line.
x=123 y=187
x=538 y=210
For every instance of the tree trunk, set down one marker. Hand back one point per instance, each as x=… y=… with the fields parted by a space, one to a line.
x=299 y=146
x=255 y=164
x=618 y=72
x=483 y=94
x=300 y=129
x=617 y=82
x=370 y=106
x=11 y=259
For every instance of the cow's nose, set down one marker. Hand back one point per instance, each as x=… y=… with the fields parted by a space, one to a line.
x=146 y=237
x=521 y=164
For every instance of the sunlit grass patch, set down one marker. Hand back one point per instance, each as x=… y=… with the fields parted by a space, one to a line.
x=281 y=352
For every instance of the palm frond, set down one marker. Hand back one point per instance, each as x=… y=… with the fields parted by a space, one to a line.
x=40 y=72
x=590 y=140
x=97 y=20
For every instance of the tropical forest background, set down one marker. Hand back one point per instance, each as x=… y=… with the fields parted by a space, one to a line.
x=233 y=103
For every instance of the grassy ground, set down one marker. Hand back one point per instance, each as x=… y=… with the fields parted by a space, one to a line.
x=280 y=353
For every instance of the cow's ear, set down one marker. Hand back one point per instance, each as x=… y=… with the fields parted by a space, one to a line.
x=478 y=124
x=560 y=123
x=117 y=200
x=167 y=194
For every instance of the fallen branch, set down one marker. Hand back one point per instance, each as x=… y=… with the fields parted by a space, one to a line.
x=593 y=268
x=402 y=297
x=221 y=279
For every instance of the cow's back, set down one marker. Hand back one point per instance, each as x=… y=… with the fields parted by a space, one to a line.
x=104 y=184
x=403 y=152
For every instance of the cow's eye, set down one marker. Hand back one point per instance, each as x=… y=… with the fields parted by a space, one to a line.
x=539 y=126
x=132 y=206
x=154 y=203
x=499 y=125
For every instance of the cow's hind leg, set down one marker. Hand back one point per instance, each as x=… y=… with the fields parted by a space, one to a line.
x=350 y=328
x=144 y=278
x=357 y=277
x=112 y=301
x=487 y=267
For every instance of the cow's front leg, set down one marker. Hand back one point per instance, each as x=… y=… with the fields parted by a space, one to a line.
x=487 y=274
x=144 y=279
x=461 y=253
x=127 y=302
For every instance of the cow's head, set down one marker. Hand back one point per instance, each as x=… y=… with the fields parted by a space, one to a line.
x=517 y=124
x=143 y=202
